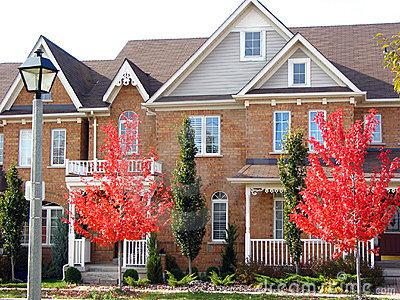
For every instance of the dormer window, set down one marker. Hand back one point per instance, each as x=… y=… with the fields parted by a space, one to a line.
x=299 y=72
x=252 y=45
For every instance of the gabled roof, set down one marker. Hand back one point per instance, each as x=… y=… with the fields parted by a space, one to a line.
x=284 y=54
x=130 y=73
x=88 y=85
x=216 y=37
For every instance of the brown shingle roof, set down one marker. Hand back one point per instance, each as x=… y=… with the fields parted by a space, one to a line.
x=353 y=51
x=349 y=47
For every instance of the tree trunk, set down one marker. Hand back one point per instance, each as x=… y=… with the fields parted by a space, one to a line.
x=12 y=268
x=120 y=264
x=358 y=263
x=297 y=266
x=190 y=265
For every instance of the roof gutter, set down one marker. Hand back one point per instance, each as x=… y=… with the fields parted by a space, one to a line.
x=28 y=116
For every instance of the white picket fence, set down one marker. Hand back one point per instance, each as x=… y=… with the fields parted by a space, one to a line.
x=275 y=252
x=135 y=253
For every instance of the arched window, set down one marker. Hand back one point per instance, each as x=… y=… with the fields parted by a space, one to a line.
x=219 y=202
x=124 y=118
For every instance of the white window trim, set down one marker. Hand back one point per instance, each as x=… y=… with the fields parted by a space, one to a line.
x=48 y=224
x=20 y=148
x=263 y=47
x=291 y=62
x=380 y=131
x=309 y=122
x=65 y=147
x=274 y=129
x=212 y=214
x=2 y=136
x=202 y=152
x=275 y=200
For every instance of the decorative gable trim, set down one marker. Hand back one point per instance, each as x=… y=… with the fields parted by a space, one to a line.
x=18 y=85
x=214 y=40
x=125 y=76
x=273 y=65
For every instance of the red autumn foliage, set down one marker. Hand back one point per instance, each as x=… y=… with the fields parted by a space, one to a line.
x=123 y=200
x=341 y=203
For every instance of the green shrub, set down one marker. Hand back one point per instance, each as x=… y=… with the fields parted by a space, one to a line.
x=154 y=267
x=138 y=283
x=131 y=273
x=73 y=275
x=225 y=281
x=229 y=258
x=331 y=286
x=172 y=266
x=172 y=281
x=5 y=268
x=332 y=268
x=212 y=269
x=195 y=271
x=245 y=273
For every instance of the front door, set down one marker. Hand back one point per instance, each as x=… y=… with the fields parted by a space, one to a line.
x=390 y=242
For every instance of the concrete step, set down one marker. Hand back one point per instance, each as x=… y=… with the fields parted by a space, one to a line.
x=105 y=274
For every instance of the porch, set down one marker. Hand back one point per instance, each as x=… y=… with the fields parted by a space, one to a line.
x=134 y=254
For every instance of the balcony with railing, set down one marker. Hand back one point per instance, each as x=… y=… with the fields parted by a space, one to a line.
x=89 y=167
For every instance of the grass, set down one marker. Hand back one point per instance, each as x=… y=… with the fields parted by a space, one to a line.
x=48 y=284
x=159 y=296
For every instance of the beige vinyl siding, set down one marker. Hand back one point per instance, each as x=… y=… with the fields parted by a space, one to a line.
x=318 y=76
x=222 y=72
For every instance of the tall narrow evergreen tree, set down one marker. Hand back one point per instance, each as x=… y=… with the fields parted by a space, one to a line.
x=292 y=172
x=13 y=215
x=59 y=248
x=189 y=214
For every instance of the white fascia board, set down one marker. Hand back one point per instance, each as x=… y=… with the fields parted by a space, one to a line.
x=254 y=180
x=29 y=116
x=125 y=76
x=94 y=109
x=194 y=105
x=17 y=85
x=299 y=95
x=214 y=37
x=283 y=53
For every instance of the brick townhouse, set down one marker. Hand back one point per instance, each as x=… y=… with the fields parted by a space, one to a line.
x=243 y=88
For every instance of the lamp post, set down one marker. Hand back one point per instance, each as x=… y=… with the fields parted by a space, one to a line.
x=38 y=74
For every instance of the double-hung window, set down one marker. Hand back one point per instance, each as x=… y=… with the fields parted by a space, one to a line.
x=25 y=148
x=207 y=131
x=281 y=128
x=377 y=135
x=219 y=202
x=58 y=147
x=299 y=72
x=313 y=128
x=252 y=45
x=1 y=148
x=50 y=215
x=278 y=218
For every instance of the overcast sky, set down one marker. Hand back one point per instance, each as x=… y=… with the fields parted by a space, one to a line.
x=98 y=29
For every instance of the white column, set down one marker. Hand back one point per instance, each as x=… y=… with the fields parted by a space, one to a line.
x=71 y=236
x=247 y=241
x=95 y=138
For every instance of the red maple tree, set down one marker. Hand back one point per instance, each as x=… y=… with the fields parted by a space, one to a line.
x=124 y=200
x=342 y=204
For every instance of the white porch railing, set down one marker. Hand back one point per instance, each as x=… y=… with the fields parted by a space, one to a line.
x=135 y=253
x=79 y=252
x=88 y=167
x=275 y=252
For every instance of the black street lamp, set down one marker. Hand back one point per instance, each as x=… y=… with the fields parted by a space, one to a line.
x=38 y=74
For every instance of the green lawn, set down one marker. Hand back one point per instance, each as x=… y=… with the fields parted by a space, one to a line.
x=159 y=296
x=49 y=284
